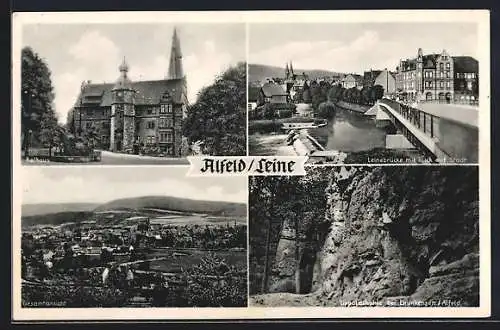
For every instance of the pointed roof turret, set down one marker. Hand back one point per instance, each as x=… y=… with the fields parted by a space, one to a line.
x=123 y=81
x=175 y=70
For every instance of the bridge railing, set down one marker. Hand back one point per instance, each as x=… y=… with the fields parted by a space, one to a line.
x=474 y=103
x=425 y=122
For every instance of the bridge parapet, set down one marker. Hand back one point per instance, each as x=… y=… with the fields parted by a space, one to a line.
x=425 y=122
x=449 y=137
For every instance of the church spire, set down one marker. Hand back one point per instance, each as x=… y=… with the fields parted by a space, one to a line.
x=291 y=68
x=175 y=70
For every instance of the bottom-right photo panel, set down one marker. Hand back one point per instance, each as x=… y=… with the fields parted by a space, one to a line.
x=365 y=236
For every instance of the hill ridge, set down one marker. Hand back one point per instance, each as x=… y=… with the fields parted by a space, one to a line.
x=258 y=72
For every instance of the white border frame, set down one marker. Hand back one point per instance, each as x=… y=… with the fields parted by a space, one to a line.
x=481 y=17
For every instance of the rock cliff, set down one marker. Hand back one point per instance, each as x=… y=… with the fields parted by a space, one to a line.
x=395 y=236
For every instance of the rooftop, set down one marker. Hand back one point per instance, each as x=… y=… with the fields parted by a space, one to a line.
x=272 y=89
x=146 y=92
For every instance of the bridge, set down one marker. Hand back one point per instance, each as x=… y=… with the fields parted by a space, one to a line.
x=443 y=132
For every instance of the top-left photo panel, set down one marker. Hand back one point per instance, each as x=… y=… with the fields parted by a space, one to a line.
x=128 y=93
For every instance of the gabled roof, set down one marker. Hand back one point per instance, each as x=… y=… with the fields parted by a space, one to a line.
x=272 y=89
x=371 y=75
x=146 y=92
x=409 y=65
x=465 y=64
x=429 y=61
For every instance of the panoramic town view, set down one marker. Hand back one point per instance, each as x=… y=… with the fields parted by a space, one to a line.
x=161 y=241
x=135 y=101
x=364 y=93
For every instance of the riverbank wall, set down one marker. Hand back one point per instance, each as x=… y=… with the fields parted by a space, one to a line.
x=353 y=107
x=304 y=144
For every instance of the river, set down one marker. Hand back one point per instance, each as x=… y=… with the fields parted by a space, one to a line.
x=349 y=131
x=346 y=131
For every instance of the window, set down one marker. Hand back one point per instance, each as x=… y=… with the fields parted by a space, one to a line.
x=88 y=125
x=166 y=137
x=441 y=66
x=105 y=124
x=151 y=124
x=441 y=84
x=447 y=85
x=166 y=108
x=448 y=65
x=458 y=75
x=150 y=139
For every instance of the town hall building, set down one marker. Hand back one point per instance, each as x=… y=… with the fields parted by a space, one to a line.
x=126 y=116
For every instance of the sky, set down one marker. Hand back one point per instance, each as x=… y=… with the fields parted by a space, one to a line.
x=78 y=52
x=103 y=184
x=356 y=47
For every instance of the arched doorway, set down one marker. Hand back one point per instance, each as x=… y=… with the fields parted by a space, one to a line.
x=428 y=96
x=441 y=97
x=448 y=97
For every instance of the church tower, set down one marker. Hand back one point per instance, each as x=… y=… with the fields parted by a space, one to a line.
x=122 y=112
x=175 y=70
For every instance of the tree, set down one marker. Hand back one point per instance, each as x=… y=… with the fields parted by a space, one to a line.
x=376 y=93
x=92 y=137
x=218 y=118
x=317 y=95
x=306 y=95
x=335 y=93
x=298 y=202
x=70 y=123
x=365 y=95
x=37 y=96
x=326 y=110
x=50 y=131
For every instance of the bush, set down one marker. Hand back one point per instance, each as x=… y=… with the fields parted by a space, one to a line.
x=213 y=283
x=273 y=111
x=326 y=110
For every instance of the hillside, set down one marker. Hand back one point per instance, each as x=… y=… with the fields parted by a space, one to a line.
x=44 y=208
x=260 y=72
x=176 y=204
x=55 y=218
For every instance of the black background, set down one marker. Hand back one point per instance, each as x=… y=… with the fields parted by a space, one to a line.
x=150 y=5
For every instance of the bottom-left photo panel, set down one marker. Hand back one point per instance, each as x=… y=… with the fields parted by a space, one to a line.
x=131 y=237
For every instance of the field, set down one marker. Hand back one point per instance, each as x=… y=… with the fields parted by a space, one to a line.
x=173 y=263
x=197 y=220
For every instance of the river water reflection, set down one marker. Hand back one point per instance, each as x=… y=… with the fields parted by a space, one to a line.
x=350 y=131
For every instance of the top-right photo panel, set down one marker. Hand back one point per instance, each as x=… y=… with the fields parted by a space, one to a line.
x=365 y=93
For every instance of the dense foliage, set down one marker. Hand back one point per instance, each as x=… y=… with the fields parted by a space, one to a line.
x=218 y=118
x=214 y=283
x=38 y=118
x=365 y=96
x=278 y=201
x=273 y=111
